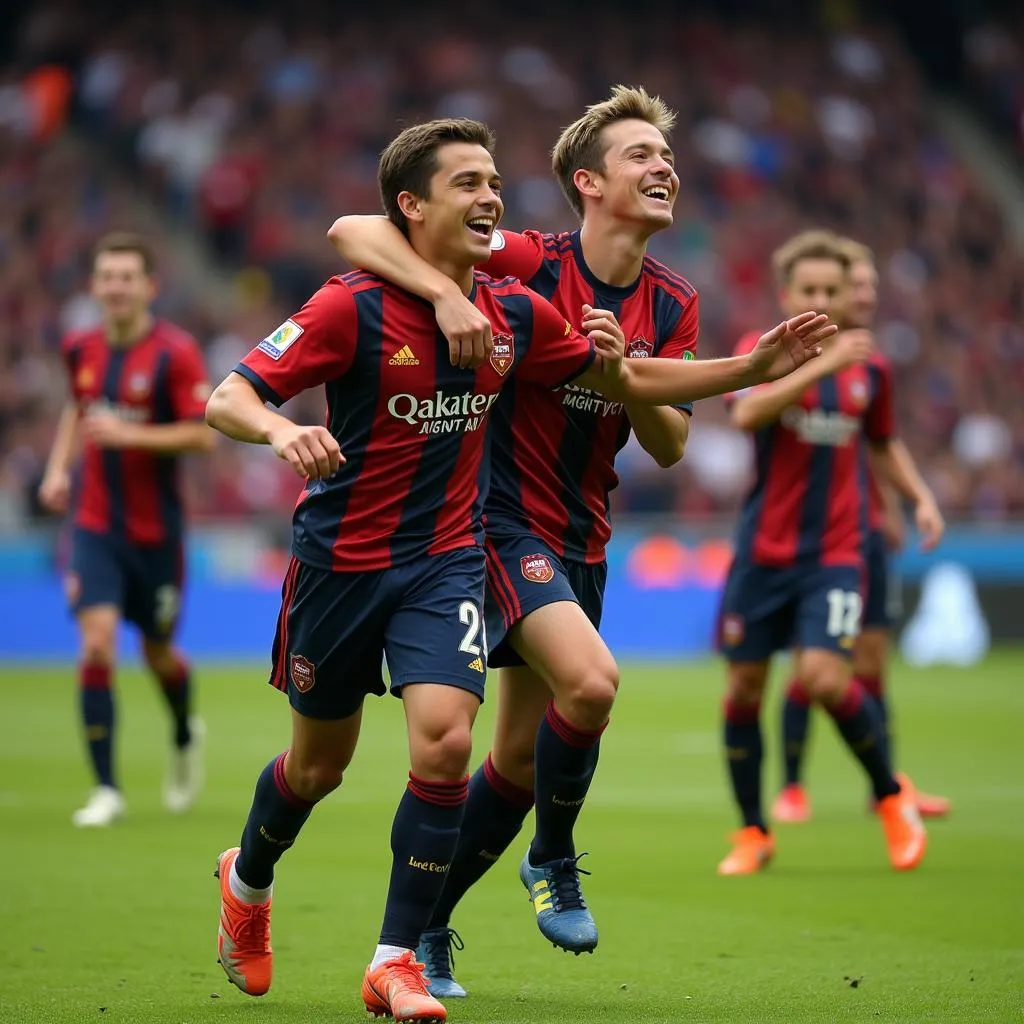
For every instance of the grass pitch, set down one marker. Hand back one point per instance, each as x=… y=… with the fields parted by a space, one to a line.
x=119 y=925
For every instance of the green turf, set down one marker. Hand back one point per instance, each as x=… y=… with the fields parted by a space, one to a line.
x=120 y=925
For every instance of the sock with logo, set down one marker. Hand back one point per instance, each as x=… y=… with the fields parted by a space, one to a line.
x=424 y=836
x=565 y=763
x=177 y=691
x=796 y=721
x=495 y=812
x=275 y=819
x=744 y=750
x=97 y=710
x=859 y=724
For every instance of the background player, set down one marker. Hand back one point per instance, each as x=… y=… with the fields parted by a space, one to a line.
x=138 y=392
x=387 y=548
x=799 y=552
x=885 y=534
x=547 y=512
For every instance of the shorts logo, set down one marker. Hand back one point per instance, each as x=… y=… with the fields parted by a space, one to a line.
x=477 y=664
x=303 y=673
x=732 y=630
x=72 y=588
x=640 y=348
x=537 y=568
x=503 y=353
x=404 y=357
x=275 y=345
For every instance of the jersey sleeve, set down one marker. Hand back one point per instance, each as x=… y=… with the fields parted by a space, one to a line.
x=314 y=346
x=557 y=352
x=188 y=382
x=682 y=343
x=515 y=255
x=879 y=419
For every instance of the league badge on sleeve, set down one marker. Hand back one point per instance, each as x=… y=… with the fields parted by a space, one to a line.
x=275 y=345
x=503 y=353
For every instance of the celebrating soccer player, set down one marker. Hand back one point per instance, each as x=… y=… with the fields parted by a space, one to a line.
x=798 y=566
x=387 y=533
x=881 y=601
x=547 y=512
x=138 y=393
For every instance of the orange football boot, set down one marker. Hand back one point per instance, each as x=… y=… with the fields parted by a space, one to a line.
x=905 y=835
x=930 y=806
x=792 y=805
x=243 y=940
x=752 y=850
x=398 y=989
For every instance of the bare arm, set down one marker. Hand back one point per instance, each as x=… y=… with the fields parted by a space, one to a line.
x=661 y=430
x=107 y=431
x=896 y=465
x=237 y=411
x=765 y=405
x=55 y=489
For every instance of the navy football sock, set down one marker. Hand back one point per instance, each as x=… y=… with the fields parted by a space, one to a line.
x=796 y=721
x=97 y=709
x=744 y=751
x=495 y=812
x=858 y=723
x=177 y=691
x=275 y=819
x=565 y=763
x=874 y=687
x=424 y=836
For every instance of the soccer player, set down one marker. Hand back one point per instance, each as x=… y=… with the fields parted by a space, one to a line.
x=138 y=393
x=547 y=512
x=799 y=551
x=881 y=605
x=387 y=533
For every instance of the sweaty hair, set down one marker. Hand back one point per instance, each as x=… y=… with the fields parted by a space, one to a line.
x=125 y=241
x=857 y=252
x=808 y=245
x=581 y=145
x=410 y=159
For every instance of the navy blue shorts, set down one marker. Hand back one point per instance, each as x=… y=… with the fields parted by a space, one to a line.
x=335 y=629
x=765 y=610
x=883 y=603
x=143 y=582
x=524 y=574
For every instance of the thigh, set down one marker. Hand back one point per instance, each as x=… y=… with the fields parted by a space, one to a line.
x=436 y=633
x=757 y=613
x=523 y=574
x=96 y=575
x=880 y=611
x=153 y=590
x=330 y=639
x=830 y=609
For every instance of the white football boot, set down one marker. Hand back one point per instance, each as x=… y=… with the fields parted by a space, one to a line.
x=104 y=806
x=185 y=772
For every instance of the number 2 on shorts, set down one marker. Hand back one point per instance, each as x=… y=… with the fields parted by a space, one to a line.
x=469 y=616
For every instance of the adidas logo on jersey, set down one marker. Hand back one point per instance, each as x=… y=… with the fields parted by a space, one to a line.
x=404 y=357
x=477 y=664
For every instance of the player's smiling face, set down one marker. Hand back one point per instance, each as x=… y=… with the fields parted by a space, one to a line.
x=638 y=182
x=121 y=286
x=815 y=284
x=863 y=294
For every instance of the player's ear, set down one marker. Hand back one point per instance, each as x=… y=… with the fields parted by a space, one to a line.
x=587 y=183
x=411 y=206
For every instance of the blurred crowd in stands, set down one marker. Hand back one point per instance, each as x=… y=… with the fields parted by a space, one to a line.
x=236 y=139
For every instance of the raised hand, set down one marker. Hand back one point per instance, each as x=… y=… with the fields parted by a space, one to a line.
x=604 y=331
x=789 y=345
x=312 y=452
x=467 y=329
x=850 y=347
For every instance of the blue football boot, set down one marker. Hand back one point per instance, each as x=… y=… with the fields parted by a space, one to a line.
x=562 y=914
x=436 y=952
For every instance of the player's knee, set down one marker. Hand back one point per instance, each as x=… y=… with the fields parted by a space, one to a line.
x=313 y=780
x=446 y=754
x=514 y=758
x=98 y=646
x=746 y=684
x=827 y=682
x=588 y=701
x=160 y=657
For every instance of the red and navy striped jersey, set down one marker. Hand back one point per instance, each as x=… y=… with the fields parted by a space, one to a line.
x=809 y=500
x=410 y=425
x=554 y=451
x=158 y=379
x=876 y=506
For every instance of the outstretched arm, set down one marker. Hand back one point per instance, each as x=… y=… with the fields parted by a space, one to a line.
x=108 y=431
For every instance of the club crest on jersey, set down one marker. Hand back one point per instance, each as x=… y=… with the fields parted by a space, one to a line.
x=503 y=353
x=138 y=385
x=275 y=345
x=732 y=630
x=858 y=393
x=640 y=348
x=537 y=568
x=303 y=673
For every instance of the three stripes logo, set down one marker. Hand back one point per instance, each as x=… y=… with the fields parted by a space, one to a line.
x=404 y=357
x=477 y=664
x=541 y=896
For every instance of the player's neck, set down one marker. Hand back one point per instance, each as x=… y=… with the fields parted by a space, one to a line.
x=121 y=335
x=614 y=254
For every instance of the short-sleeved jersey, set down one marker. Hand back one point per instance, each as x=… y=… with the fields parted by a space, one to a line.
x=412 y=427
x=809 y=499
x=554 y=452
x=158 y=379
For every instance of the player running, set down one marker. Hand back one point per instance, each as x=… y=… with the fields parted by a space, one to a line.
x=138 y=393
x=387 y=539
x=881 y=605
x=547 y=513
x=799 y=551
